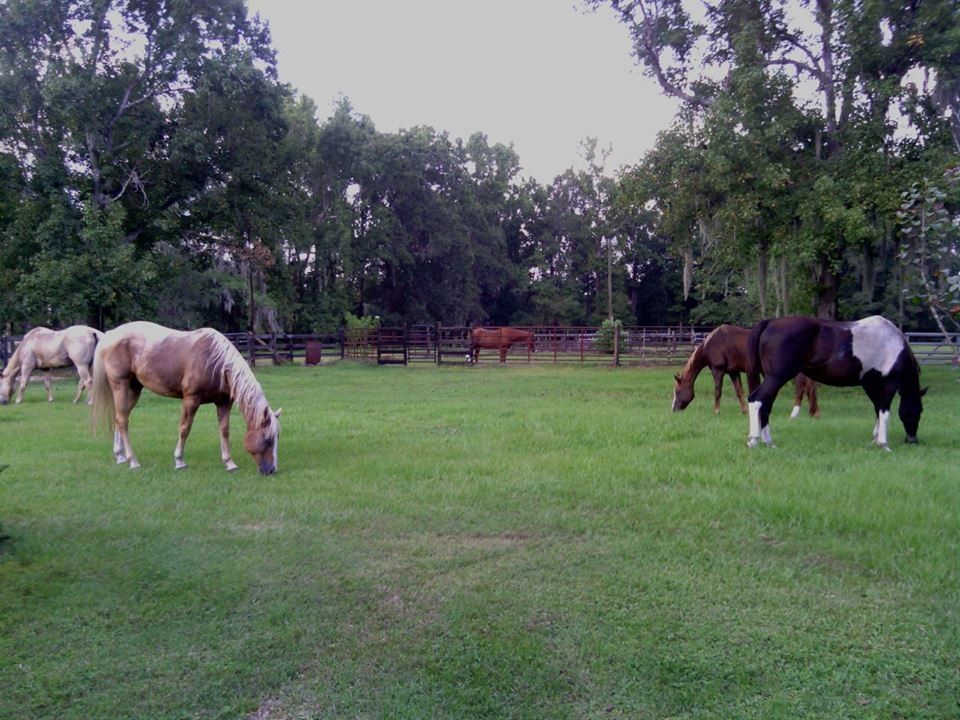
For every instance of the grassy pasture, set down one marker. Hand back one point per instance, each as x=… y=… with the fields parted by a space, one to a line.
x=518 y=542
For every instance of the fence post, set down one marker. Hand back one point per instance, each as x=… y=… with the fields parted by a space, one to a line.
x=616 y=343
x=342 y=340
x=252 y=348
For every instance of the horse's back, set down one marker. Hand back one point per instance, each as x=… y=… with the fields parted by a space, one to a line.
x=157 y=356
x=726 y=348
x=832 y=352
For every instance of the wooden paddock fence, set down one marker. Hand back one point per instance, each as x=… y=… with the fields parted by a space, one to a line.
x=450 y=345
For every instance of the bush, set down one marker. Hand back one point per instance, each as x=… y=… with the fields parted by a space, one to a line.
x=605 y=335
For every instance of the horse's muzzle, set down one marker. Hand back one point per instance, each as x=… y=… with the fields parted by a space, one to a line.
x=267 y=468
x=3 y=402
x=911 y=440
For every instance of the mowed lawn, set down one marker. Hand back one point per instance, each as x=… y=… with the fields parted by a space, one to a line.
x=515 y=542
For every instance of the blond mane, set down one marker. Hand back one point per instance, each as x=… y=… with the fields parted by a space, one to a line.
x=234 y=373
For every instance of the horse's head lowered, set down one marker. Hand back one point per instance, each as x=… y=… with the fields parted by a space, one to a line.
x=911 y=407
x=262 y=440
x=5 y=383
x=682 y=393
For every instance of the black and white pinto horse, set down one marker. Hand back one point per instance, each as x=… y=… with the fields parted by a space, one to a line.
x=872 y=353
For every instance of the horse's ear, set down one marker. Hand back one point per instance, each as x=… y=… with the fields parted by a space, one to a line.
x=277 y=413
x=924 y=391
x=267 y=416
x=676 y=377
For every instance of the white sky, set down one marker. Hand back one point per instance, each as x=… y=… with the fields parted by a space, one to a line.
x=542 y=75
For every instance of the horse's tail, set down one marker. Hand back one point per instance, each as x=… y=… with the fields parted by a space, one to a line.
x=94 y=336
x=754 y=367
x=102 y=410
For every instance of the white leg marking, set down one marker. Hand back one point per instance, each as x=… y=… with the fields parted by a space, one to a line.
x=178 y=462
x=754 y=411
x=883 y=420
x=118 y=448
x=795 y=412
x=766 y=437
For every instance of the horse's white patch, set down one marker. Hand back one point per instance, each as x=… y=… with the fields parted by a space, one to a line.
x=880 y=433
x=795 y=412
x=766 y=436
x=754 y=410
x=877 y=343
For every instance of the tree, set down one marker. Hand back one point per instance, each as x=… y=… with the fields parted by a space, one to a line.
x=931 y=251
x=93 y=97
x=853 y=55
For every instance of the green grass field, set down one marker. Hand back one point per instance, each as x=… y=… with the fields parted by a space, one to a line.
x=518 y=542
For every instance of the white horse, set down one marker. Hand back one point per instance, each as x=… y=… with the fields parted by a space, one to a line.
x=46 y=349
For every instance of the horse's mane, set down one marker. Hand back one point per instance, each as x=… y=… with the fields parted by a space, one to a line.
x=694 y=362
x=228 y=364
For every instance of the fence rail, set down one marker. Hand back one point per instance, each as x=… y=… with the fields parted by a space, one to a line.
x=651 y=346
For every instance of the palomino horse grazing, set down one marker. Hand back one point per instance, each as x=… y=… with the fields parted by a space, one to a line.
x=46 y=349
x=871 y=353
x=724 y=351
x=502 y=338
x=201 y=366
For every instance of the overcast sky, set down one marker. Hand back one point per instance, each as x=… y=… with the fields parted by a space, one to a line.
x=540 y=74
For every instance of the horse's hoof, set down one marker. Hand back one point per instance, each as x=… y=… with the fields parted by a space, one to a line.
x=231 y=466
x=752 y=442
x=121 y=459
x=179 y=464
x=134 y=465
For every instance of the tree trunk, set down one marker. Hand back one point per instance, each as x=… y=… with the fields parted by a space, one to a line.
x=828 y=290
x=687 y=271
x=785 y=284
x=868 y=281
x=762 y=271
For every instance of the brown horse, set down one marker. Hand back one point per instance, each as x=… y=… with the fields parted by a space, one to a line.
x=872 y=353
x=502 y=338
x=724 y=351
x=200 y=367
x=46 y=349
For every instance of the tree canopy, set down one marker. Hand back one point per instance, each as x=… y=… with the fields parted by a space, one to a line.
x=152 y=166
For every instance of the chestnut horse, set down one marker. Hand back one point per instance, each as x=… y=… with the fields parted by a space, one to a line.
x=502 y=338
x=200 y=367
x=724 y=351
x=46 y=349
x=872 y=353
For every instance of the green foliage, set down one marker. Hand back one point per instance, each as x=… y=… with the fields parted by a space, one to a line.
x=153 y=166
x=929 y=251
x=608 y=330
x=100 y=279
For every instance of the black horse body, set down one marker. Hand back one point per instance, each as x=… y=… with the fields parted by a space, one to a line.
x=871 y=353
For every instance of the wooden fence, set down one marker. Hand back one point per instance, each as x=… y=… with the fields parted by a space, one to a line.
x=651 y=346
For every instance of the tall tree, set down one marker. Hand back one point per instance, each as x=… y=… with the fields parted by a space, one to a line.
x=851 y=56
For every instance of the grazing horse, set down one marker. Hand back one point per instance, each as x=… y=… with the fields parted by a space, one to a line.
x=46 y=349
x=724 y=351
x=871 y=353
x=200 y=366
x=502 y=338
